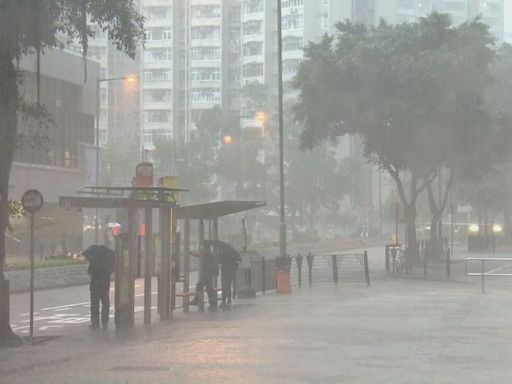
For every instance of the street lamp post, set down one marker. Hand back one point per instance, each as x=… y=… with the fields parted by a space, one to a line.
x=282 y=223
x=129 y=79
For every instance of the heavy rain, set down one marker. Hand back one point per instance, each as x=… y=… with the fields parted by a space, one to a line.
x=250 y=191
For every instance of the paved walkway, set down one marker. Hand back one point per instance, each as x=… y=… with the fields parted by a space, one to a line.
x=396 y=331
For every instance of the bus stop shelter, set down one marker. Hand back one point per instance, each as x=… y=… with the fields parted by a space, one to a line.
x=131 y=199
x=207 y=212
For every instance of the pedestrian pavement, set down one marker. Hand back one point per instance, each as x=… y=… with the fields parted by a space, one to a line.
x=395 y=331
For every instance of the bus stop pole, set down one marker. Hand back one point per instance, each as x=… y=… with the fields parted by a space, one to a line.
x=31 y=276
x=186 y=262
x=148 y=264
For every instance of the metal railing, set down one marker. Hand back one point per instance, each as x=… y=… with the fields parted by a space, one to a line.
x=335 y=268
x=483 y=274
x=329 y=268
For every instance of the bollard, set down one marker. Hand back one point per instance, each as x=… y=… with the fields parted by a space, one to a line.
x=298 y=261
x=366 y=269
x=310 y=258
x=335 y=269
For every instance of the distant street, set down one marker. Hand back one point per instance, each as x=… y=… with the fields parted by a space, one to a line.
x=66 y=310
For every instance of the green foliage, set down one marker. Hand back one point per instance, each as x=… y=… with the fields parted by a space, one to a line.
x=414 y=93
x=16 y=209
x=31 y=26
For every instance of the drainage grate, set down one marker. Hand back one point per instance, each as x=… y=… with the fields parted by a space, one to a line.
x=145 y=368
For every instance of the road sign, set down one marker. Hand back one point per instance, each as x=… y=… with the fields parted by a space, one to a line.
x=32 y=201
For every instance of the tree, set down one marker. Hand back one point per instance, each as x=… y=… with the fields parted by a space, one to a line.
x=412 y=92
x=31 y=26
x=490 y=187
x=201 y=162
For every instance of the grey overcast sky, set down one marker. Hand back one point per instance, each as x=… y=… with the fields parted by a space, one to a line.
x=508 y=20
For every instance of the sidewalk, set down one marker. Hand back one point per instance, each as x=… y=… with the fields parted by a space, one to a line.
x=396 y=331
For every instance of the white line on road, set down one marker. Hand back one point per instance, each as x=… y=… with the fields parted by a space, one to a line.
x=65 y=306
x=498 y=269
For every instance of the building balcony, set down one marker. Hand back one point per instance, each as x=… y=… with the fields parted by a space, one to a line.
x=293 y=54
x=157 y=84
x=258 y=36
x=206 y=83
x=152 y=3
x=253 y=16
x=157 y=126
x=167 y=43
x=164 y=22
x=210 y=42
x=156 y=105
x=253 y=59
x=154 y=64
x=206 y=21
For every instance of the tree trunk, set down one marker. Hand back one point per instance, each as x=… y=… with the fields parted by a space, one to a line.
x=410 y=221
x=8 y=135
x=507 y=222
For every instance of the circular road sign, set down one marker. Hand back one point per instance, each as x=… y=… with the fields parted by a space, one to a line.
x=32 y=201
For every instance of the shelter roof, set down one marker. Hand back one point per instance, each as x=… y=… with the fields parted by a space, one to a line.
x=216 y=209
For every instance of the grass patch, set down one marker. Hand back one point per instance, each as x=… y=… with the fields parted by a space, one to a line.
x=21 y=265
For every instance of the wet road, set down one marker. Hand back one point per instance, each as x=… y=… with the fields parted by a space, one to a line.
x=396 y=331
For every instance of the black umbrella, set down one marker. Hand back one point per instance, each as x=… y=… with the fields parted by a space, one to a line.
x=100 y=257
x=225 y=249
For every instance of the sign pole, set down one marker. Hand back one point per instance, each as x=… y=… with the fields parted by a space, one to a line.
x=31 y=276
x=32 y=202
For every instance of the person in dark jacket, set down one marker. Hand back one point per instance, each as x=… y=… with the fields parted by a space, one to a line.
x=208 y=270
x=228 y=267
x=100 y=268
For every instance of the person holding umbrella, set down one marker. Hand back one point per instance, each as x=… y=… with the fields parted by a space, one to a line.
x=101 y=266
x=228 y=259
x=208 y=270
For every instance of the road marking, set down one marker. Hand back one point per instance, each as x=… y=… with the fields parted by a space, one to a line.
x=46 y=327
x=498 y=269
x=65 y=306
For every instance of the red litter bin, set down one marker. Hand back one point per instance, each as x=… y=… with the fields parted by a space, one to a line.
x=283 y=281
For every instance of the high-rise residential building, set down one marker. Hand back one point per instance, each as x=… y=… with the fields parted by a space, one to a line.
x=156 y=71
x=508 y=21
x=302 y=21
x=190 y=63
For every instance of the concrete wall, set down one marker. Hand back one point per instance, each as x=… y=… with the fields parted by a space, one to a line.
x=19 y=281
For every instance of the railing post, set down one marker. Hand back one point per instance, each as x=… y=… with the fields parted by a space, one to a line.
x=448 y=258
x=263 y=275
x=335 y=269
x=310 y=258
x=366 y=268
x=393 y=254
x=386 y=257
x=425 y=261
x=298 y=261
x=483 y=274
